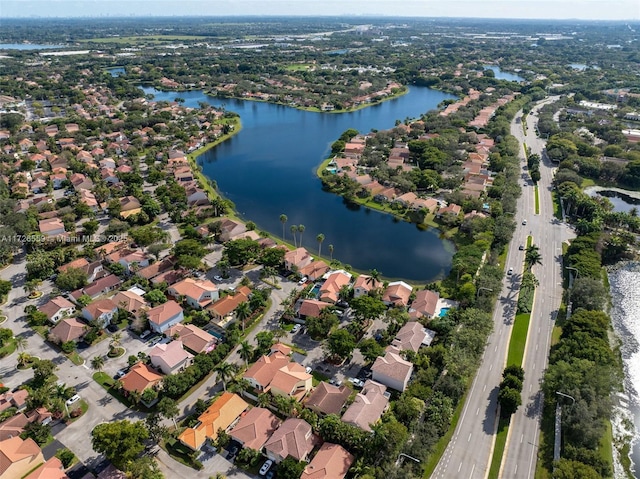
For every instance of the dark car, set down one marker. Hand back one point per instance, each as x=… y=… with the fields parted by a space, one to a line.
x=112 y=328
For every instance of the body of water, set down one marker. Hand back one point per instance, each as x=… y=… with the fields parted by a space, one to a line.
x=27 y=46
x=500 y=75
x=268 y=169
x=116 y=71
x=625 y=298
x=622 y=200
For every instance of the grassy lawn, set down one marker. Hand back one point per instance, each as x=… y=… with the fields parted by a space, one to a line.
x=296 y=67
x=498 y=450
x=181 y=453
x=318 y=377
x=75 y=358
x=537 y=193
x=605 y=448
x=7 y=349
x=587 y=182
x=104 y=380
x=518 y=339
x=557 y=207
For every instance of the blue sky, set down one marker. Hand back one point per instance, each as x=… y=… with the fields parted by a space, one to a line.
x=543 y=9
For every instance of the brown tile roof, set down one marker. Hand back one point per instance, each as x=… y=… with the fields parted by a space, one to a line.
x=265 y=368
x=129 y=301
x=392 y=366
x=68 y=329
x=51 y=307
x=294 y=438
x=255 y=427
x=312 y=307
x=288 y=378
x=101 y=285
x=163 y=312
x=331 y=287
x=14 y=426
x=15 y=399
x=331 y=462
x=368 y=406
x=424 y=304
x=314 y=270
x=363 y=282
x=410 y=337
x=229 y=303
x=191 y=336
x=193 y=288
x=397 y=293
x=220 y=415
x=97 y=308
x=327 y=398
x=139 y=378
x=171 y=353
x=156 y=268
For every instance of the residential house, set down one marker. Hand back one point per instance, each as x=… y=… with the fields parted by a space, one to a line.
x=332 y=461
x=170 y=357
x=255 y=427
x=196 y=196
x=397 y=294
x=411 y=337
x=165 y=315
x=222 y=413
x=57 y=308
x=129 y=205
x=130 y=302
x=311 y=308
x=451 y=209
x=333 y=284
x=93 y=270
x=314 y=270
x=139 y=378
x=68 y=329
x=13 y=426
x=52 y=469
x=291 y=380
x=57 y=180
x=183 y=174
x=424 y=305
x=261 y=373
x=51 y=227
x=327 y=399
x=156 y=268
x=89 y=199
x=297 y=259
x=99 y=286
x=18 y=457
x=80 y=182
x=364 y=285
x=224 y=307
x=230 y=229
x=193 y=338
x=368 y=406
x=16 y=399
x=391 y=370
x=198 y=293
x=130 y=259
x=100 y=311
x=294 y=438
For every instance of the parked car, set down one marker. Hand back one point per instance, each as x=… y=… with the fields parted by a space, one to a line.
x=296 y=328
x=73 y=399
x=521 y=247
x=303 y=281
x=308 y=369
x=510 y=272
x=119 y=373
x=524 y=222
x=217 y=278
x=265 y=467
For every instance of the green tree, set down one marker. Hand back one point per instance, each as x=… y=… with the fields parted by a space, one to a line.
x=370 y=349
x=5 y=287
x=566 y=469
x=589 y=293
x=264 y=340
x=367 y=307
x=532 y=256
x=243 y=311
x=320 y=239
x=66 y=457
x=144 y=468
x=245 y=352
x=40 y=433
x=120 y=441
x=301 y=229
x=225 y=372
x=283 y=220
x=290 y=468
x=294 y=230
x=155 y=297
x=341 y=343
x=509 y=400
x=97 y=363
x=168 y=408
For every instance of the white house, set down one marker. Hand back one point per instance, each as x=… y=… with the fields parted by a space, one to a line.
x=165 y=315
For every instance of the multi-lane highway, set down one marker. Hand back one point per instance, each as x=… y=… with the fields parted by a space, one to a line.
x=468 y=454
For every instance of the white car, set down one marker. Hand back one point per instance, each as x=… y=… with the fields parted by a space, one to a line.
x=296 y=328
x=265 y=467
x=510 y=272
x=303 y=281
x=308 y=369
x=524 y=222
x=73 y=399
x=217 y=278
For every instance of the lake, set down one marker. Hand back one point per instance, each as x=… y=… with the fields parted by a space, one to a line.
x=27 y=46
x=500 y=75
x=268 y=169
x=116 y=71
x=622 y=200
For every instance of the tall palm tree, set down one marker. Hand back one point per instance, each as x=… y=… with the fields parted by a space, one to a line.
x=301 y=229
x=320 y=239
x=115 y=341
x=97 y=363
x=225 y=372
x=374 y=277
x=532 y=256
x=243 y=311
x=283 y=220
x=20 y=342
x=245 y=352
x=263 y=399
x=294 y=230
x=330 y=252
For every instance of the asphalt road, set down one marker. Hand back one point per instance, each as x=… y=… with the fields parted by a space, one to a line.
x=521 y=451
x=469 y=452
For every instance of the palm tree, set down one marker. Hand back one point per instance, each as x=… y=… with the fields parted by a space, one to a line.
x=32 y=286
x=97 y=363
x=116 y=340
x=301 y=229
x=320 y=239
x=330 y=252
x=243 y=311
x=283 y=220
x=293 y=230
x=374 y=277
x=532 y=256
x=225 y=372
x=20 y=342
x=23 y=358
x=245 y=352
x=263 y=399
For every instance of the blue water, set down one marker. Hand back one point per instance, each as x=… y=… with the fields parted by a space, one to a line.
x=116 y=71
x=443 y=312
x=27 y=46
x=315 y=290
x=268 y=169
x=500 y=75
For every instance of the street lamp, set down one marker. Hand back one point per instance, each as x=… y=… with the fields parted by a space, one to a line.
x=402 y=454
x=558 y=427
x=480 y=289
x=573 y=269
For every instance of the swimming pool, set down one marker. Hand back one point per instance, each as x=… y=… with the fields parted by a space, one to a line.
x=315 y=291
x=443 y=312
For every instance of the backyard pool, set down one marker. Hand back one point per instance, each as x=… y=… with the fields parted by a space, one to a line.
x=315 y=291
x=443 y=312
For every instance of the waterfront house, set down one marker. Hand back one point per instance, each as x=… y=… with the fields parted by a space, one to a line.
x=333 y=284
x=297 y=259
x=397 y=294
x=424 y=305
x=364 y=285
